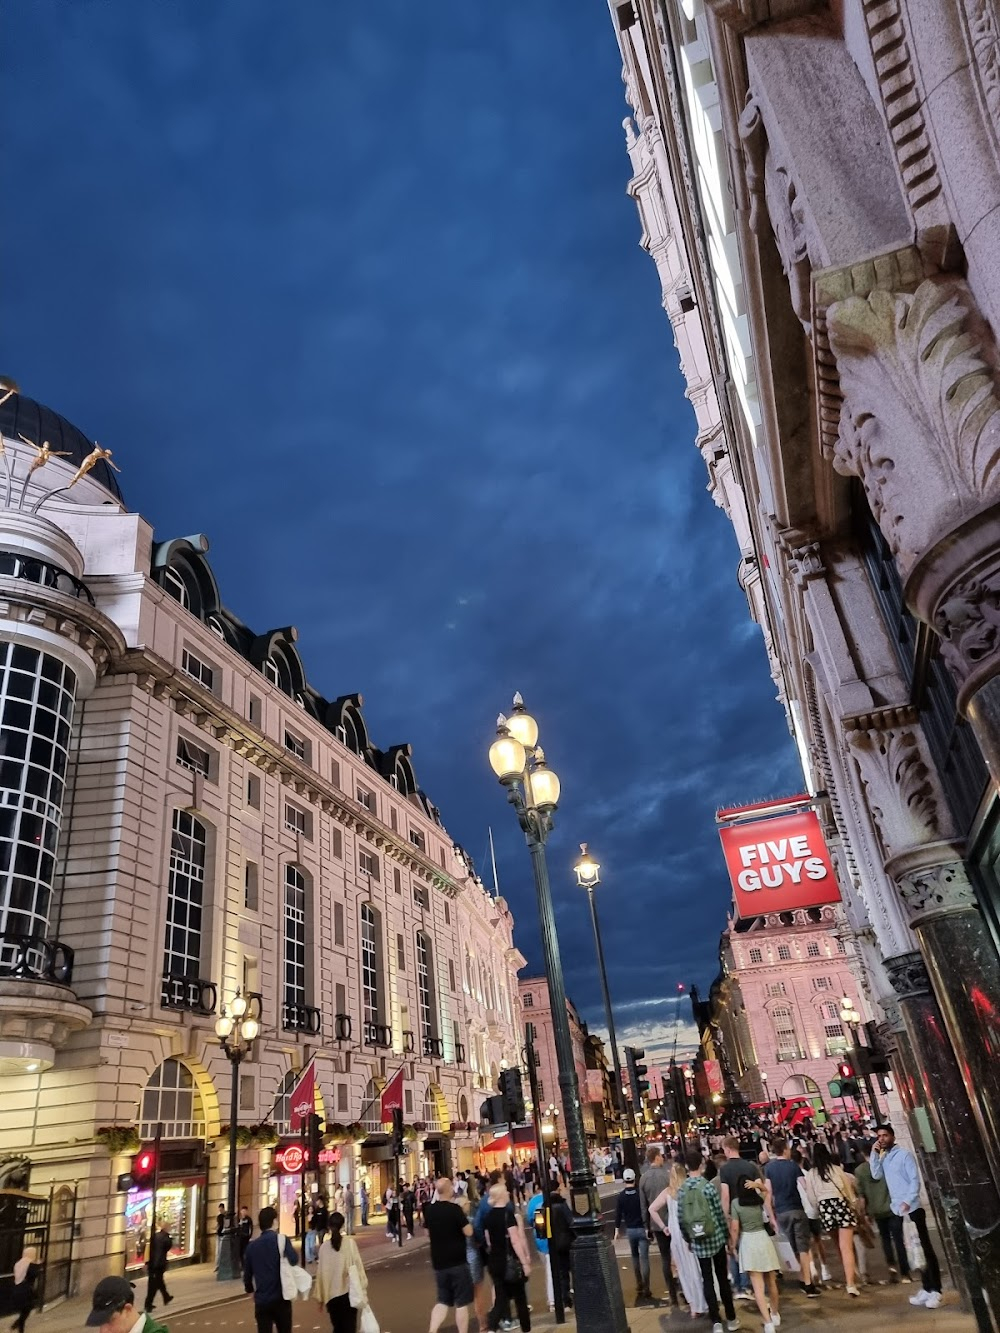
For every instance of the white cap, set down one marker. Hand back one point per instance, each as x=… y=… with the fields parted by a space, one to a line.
x=628 y=1174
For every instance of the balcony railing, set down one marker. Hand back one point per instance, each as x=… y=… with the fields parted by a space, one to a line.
x=784 y=1056
x=434 y=1048
x=459 y=1053
x=32 y=570
x=377 y=1034
x=301 y=1018
x=194 y=995
x=342 y=1027
x=34 y=958
x=409 y=1042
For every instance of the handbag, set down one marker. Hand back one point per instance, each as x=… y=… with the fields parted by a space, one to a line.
x=914 y=1250
x=295 y=1281
x=355 y=1289
x=513 y=1270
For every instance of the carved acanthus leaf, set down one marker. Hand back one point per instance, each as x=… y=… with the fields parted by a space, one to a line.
x=899 y=785
x=908 y=975
x=968 y=621
x=934 y=891
x=920 y=423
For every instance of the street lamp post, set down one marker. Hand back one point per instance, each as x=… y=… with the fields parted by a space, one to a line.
x=767 y=1090
x=533 y=790
x=236 y=1032
x=588 y=876
x=851 y=1019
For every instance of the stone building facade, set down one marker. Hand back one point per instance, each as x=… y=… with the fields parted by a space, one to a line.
x=536 y=1009
x=183 y=817
x=819 y=187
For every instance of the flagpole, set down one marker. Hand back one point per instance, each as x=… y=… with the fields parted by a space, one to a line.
x=493 y=859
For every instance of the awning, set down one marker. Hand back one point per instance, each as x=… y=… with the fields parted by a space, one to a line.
x=502 y=1144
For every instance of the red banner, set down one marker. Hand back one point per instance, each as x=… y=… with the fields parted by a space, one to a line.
x=778 y=864
x=302 y=1102
x=713 y=1072
x=392 y=1097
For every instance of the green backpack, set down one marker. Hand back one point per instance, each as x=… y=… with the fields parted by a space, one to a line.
x=697 y=1217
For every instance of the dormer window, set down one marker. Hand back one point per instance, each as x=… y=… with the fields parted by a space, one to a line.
x=175 y=586
x=270 y=670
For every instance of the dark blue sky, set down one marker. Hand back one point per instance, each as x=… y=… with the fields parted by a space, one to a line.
x=356 y=291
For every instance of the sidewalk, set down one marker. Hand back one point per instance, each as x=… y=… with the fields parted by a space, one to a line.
x=197 y=1286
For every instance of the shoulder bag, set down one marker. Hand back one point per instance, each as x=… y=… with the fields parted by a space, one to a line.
x=295 y=1281
x=355 y=1287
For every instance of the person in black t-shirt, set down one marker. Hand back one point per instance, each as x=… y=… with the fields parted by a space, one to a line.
x=447 y=1226
x=508 y=1260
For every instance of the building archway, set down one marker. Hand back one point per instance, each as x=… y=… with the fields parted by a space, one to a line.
x=799 y=1085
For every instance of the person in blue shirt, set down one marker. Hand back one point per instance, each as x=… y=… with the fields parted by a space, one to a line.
x=898 y=1168
x=262 y=1276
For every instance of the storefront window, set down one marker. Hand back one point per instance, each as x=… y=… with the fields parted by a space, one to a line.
x=177 y=1205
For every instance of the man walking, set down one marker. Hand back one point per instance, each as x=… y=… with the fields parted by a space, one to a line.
x=159 y=1251
x=262 y=1276
x=898 y=1168
x=244 y=1230
x=628 y=1218
x=734 y=1171
x=783 y=1176
x=652 y=1182
x=448 y=1229
x=220 y=1226
x=348 y=1209
x=703 y=1224
x=364 y=1203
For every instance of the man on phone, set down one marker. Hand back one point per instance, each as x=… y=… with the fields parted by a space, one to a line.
x=898 y=1168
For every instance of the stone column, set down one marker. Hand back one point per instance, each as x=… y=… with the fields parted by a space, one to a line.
x=958 y=1183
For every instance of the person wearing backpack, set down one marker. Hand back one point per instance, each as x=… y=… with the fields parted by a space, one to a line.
x=703 y=1225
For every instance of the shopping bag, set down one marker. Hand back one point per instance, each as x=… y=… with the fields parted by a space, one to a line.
x=914 y=1250
x=368 y=1323
x=789 y=1259
x=355 y=1289
x=295 y=1281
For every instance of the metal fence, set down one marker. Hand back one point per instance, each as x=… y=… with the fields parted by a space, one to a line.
x=47 y=1224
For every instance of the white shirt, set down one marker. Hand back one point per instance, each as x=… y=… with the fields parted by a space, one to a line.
x=139 y=1324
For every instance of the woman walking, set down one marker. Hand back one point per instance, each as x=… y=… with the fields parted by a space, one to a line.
x=338 y=1257
x=757 y=1255
x=508 y=1260
x=831 y=1192
x=27 y=1271
x=688 y=1269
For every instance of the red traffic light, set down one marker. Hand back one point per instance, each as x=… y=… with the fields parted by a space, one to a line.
x=845 y=1070
x=144 y=1161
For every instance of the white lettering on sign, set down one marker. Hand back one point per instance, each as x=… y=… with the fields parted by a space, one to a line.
x=773 y=875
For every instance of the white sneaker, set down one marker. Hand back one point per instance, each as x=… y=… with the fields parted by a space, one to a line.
x=768 y=1328
x=852 y=1291
x=775 y=1319
x=716 y=1328
x=933 y=1300
x=824 y=1274
x=733 y=1325
x=921 y=1298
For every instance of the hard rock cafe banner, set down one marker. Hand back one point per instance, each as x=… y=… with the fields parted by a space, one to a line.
x=777 y=857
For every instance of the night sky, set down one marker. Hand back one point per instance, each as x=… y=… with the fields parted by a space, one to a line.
x=356 y=291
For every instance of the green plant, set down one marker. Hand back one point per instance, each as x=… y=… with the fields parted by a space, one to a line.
x=119 y=1139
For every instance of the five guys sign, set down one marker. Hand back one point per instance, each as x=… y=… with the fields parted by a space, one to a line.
x=777 y=857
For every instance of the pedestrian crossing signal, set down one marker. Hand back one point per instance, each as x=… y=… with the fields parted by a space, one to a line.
x=143 y=1168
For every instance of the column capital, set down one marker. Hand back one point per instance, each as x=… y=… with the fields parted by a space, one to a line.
x=903 y=791
x=908 y=976
x=933 y=882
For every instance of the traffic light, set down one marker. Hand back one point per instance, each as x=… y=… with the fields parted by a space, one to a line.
x=315 y=1141
x=512 y=1095
x=846 y=1085
x=397 y=1131
x=143 y=1168
x=637 y=1074
x=492 y=1111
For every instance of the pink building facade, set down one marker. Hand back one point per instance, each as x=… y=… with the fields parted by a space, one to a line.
x=783 y=980
x=535 y=1008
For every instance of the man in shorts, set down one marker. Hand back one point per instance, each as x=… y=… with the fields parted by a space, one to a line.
x=448 y=1228
x=784 y=1175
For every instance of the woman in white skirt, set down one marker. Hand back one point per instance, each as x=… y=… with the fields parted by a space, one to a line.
x=688 y=1270
x=757 y=1254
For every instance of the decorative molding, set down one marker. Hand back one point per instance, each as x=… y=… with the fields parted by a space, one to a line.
x=936 y=891
x=968 y=621
x=882 y=719
x=984 y=38
x=901 y=790
x=902 y=99
x=803 y=556
x=920 y=421
x=743 y=15
x=908 y=976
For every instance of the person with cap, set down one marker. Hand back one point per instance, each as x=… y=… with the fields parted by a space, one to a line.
x=628 y=1218
x=113 y=1309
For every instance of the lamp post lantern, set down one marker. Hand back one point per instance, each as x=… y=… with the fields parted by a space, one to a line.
x=533 y=790
x=588 y=876
x=236 y=1031
x=767 y=1090
x=851 y=1019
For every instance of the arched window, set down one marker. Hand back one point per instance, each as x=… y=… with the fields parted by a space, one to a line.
x=372 y=1108
x=171 y=1100
x=432 y=1113
x=425 y=987
x=185 y=897
x=784 y=1031
x=296 y=890
x=371 y=990
x=175 y=584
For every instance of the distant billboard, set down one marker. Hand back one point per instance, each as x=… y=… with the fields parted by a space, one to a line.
x=777 y=858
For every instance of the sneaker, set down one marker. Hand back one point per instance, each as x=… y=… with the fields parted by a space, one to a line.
x=733 y=1325
x=921 y=1298
x=775 y=1319
x=824 y=1274
x=933 y=1300
x=893 y=1274
x=907 y=1279
x=716 y=1328
x=812 y=1291
x=742 y=1296
x=852 y=1291
x=768 y=1328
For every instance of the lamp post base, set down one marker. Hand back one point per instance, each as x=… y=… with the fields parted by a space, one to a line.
x=597 y=1289
x=230 y=1267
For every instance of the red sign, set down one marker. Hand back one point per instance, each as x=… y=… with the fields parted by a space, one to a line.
x=302 y=1102
x=392 y=1096
x=291 y=1158
x=778 y=864
x=713 y=1073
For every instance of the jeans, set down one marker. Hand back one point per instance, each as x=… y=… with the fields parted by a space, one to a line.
x=931 y=1273
x=638 y=1243
x=274 y=1318
x=893 y=1236
x=717 y=1261
x=663 y=1244
x=364 y=1212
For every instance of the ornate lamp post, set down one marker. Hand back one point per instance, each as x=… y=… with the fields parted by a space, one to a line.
x=767 y=1090
x=588 y=876
x=851 y=1019
x=533 y=791
x=236 y=1031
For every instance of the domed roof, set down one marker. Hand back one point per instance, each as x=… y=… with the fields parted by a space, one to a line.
x=23 y=416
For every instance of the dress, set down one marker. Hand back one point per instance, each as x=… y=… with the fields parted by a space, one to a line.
x=757 y=1252
x=687 y=1265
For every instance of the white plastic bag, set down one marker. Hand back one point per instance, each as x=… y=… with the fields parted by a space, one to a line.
x=295 y=1281
x=368 y=1323
x=789 y=1259
x=355 y=1290
x=914 y=1250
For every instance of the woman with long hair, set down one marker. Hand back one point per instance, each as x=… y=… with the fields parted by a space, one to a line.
x=831 y=1192
x=338 y=1257
x=688 y=1269
x=27 y=1271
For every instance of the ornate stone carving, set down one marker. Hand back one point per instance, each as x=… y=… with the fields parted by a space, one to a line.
x=901 y=790
x=920 y=423
x=934 y=891
x=984 y=36
x=908 y=976
x=968 y=621
x=754 y=142
x=742 y=15
x=803 y=556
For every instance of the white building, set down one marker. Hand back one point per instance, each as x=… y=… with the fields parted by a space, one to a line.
x=183 y=816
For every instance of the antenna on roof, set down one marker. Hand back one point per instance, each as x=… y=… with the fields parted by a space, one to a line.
x=493 y=862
